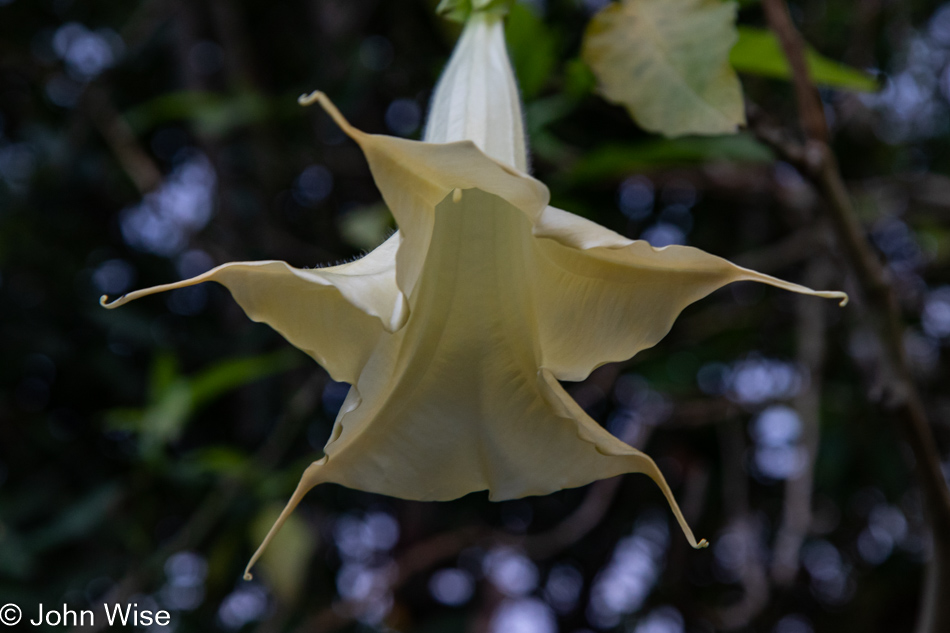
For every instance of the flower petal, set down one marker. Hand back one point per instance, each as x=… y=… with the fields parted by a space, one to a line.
x=618 y=457
x=477 y=98
x=335 y=314
x=414 y=177
x=603 y=297
x=455 y=402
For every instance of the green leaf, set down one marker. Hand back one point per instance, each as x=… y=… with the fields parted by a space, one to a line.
x=758 y=52
x=230 y=374
x=164 y=372
x=579 y=81
x=541 y=113
x=667 y=62
x=220 y=460
x=126 y=419
x=16 y=560
x=174 y=398
x=165 y=418
x=211 y=113
x=366 y=227
x=77 y=520
x=615 y=161
x=533 y=49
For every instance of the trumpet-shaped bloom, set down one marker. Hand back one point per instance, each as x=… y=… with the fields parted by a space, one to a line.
x=455 y=332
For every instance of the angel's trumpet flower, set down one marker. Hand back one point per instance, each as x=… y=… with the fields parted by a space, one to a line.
x=455 y=332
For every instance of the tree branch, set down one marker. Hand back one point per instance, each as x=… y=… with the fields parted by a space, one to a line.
x=810 y=109
x=899 y=394
x=136 y=162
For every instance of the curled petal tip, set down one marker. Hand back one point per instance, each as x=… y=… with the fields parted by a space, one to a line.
x=308 y=99
x=319 y=97
x=105 y=303
x=248 y=575
x=703 y=544
x=842 y=297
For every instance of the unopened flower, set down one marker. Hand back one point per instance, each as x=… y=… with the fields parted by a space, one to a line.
x=455 y=332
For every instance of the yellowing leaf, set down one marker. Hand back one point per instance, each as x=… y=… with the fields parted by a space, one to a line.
x=533 y=49
x=667 y=62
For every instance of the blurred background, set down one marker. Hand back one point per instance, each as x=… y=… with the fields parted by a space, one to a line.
x=144 y=452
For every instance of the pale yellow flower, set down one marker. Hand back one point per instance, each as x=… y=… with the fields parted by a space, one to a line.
x=455 y=332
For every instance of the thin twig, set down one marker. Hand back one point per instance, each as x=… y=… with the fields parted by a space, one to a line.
x=781 y=255
x=136 y=162
x=810 y=110
x=579 y=523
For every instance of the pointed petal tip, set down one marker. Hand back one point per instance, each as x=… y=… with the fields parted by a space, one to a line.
x=752 y=275
x=310 y=478
x=320 y=97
